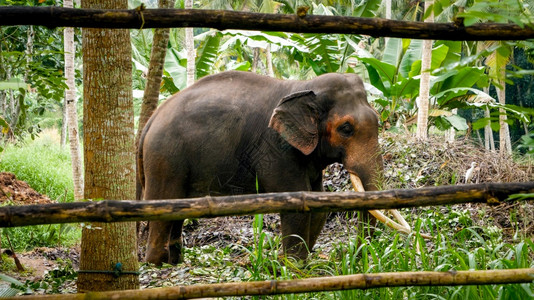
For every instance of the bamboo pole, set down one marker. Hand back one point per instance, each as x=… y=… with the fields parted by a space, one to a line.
x=208 y=207
x=220 y=19
x=318 y=284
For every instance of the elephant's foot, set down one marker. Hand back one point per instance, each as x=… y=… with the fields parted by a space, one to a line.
x=171 y=255
x=157 y=255
x=297 y=253
x=295 y=247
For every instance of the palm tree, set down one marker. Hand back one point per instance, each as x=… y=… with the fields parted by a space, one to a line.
x=424 y=85
x=155 y=72
x=70 y=110
x=109 y=154
x=496 y=64
x=190 y=48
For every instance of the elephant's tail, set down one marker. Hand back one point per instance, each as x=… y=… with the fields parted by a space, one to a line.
x=140 y=176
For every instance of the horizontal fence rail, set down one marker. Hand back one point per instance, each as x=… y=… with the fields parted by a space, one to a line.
x=318 y=284
x=208 y=207
x=221 y=19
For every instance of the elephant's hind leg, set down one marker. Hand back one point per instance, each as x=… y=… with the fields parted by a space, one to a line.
x=164 y=237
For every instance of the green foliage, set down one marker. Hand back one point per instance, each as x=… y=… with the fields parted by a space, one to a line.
x=30 y=237
x=208 y=50
x=35 y=83
x=459 y=243
x=7 y=265
x=498 y=11
x=527 y=142
x=14 y=288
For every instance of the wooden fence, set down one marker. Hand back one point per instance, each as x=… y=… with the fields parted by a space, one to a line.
x=117 y=211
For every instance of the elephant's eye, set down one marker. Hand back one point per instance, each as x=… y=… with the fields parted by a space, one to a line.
x=346 y=129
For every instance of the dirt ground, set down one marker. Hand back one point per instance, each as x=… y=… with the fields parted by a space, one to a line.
x=19 y=192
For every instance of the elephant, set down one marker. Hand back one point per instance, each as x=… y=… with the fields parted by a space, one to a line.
x=241 y=133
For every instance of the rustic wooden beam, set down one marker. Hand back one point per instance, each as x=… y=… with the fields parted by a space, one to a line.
x=318 y=284
x=209 y=207
x=53 y=16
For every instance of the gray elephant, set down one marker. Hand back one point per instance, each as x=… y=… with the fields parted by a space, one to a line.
x=232 y=130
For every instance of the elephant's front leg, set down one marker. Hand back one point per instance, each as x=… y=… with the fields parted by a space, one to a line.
x=300 y=232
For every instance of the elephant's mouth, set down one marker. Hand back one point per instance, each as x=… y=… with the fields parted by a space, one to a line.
x=379 y=215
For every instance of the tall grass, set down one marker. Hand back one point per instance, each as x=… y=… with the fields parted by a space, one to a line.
x=43 y=164
x=46 y=167
x=457 y=245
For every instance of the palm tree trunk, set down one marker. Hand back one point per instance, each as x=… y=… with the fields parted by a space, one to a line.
x=388 y=16
x=63 y=138
x=489 y=143
x=71 y=113
x=269 y=60
x=108 y=153
x=190 y=48
x=424 y=88
x=505 y=144
x=255 y=59
x=155 y=72
x=451 y=132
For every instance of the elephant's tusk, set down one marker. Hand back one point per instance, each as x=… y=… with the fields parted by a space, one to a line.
x=396 y=214
x=405 y=228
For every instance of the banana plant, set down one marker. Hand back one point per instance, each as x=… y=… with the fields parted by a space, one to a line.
x=395 y=75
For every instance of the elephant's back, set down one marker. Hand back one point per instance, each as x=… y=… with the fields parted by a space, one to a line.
x=233 y=88
x=221 y=101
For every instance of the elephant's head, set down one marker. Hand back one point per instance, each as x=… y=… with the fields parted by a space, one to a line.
x=332 y=121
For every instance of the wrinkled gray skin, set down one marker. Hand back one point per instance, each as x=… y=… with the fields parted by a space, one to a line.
x=227 y=130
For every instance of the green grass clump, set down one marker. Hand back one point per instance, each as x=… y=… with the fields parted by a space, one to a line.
x=43 y=164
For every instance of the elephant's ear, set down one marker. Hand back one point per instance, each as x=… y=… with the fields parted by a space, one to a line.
x=296 y=119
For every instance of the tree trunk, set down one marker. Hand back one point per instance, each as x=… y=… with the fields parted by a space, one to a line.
x=108 y=154
x=424 y=87
x=255 y=60
x=71 y=113
x=269 y=61
x=155 y=72
x=190 y=48
x=388 y=16
x=451 y=132
x=63 y=137
x=505 y=144
x=489 y=143
x=153 y=80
